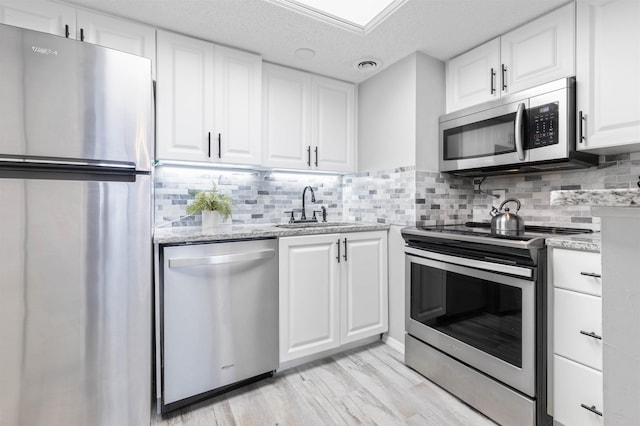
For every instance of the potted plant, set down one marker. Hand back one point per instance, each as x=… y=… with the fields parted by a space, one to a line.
x=212 y=205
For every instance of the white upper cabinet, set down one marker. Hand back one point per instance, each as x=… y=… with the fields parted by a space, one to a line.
x=608 y=87
x=308 y=121
x=535 y=53
x=473 y=77
x=39 y=15
x=184 y=99
x=117 y=34
x=540 y=51
x=208 y=107
x=333 y=124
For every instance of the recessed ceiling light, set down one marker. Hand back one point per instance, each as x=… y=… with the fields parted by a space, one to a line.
x=305 y=53
x=367 y=64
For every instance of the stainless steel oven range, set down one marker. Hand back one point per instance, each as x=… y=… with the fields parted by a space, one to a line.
x=476 y=316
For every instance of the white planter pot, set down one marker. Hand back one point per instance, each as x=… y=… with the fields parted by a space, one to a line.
x=211 y=219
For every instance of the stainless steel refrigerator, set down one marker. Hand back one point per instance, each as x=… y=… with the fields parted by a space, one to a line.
x=76 y=136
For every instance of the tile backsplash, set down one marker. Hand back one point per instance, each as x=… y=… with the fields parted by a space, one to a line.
x=399 y=196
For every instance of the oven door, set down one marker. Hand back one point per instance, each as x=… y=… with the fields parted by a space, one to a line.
x=493 y=137
x=482 y=317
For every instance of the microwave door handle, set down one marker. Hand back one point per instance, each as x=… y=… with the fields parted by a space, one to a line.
x=519 y=132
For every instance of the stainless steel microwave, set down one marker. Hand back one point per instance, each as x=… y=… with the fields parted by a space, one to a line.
x=529 y=131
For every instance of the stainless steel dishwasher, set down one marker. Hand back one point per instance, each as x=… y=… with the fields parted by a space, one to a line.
x=217 y=316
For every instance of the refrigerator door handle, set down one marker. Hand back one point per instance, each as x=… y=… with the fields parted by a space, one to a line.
x=221 y=259
x=39 y=162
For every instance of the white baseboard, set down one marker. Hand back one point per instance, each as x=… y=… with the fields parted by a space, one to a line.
x=393 y=343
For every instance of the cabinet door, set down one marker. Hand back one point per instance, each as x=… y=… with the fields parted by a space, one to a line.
x=364 y=285
x=540 y=51
x=118 y=34
x=309 y=295
x=39 y=15
x=333 y=125
x=474 y=77
x=184 y=99
x=238 y=94
x=608 y=88
x=286 y=117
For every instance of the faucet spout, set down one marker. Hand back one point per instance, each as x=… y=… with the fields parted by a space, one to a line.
x=313 y=200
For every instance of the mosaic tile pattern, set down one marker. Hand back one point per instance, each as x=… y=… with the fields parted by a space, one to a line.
x=399 y=196
x=258 y=196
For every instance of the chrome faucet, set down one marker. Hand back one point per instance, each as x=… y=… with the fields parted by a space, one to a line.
x=313 y=200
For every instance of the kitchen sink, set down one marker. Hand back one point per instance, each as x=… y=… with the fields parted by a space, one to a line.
x=314 y=224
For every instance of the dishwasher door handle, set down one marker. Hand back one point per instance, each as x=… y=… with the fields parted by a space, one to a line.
x=221 y=259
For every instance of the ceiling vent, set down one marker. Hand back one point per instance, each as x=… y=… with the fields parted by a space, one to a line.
x=368 y=64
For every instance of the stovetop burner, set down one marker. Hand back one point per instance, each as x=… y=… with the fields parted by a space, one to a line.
x=480 y=232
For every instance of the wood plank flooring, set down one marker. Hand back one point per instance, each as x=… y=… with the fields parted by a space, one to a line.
x=364 y=386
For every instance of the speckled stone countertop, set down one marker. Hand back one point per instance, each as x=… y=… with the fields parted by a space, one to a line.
x=597 y=198
x=584 y=242
x=190 y=234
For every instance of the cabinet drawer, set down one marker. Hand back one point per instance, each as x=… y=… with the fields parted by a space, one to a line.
x=575 y=312
x=574 y=385
x=575 y=270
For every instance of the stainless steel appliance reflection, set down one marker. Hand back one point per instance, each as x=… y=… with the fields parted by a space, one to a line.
x=476 y=316
x=76 y=135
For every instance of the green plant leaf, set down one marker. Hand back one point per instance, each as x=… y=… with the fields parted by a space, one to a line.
x=211 y=200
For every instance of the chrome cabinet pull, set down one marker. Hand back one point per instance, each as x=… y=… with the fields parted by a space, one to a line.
x=316 y=150
x=492 y=77
x=338 y=243
x=591 y=274
x=581 y=119
x=504 y=78
x=345 y=249
x=592 y=409
x=591 y=334
x=309 y=156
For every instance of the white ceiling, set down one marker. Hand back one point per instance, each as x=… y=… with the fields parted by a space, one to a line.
x=439 y=28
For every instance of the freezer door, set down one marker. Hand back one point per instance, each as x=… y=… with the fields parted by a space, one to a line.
x=69 y=99
x=75 y=302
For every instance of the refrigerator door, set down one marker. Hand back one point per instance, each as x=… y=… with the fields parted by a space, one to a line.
x=75 y=302
x=69 y=99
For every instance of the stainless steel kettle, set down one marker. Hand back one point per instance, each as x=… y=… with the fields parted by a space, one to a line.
x=506 y=223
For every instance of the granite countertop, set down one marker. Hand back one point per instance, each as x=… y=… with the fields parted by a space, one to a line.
x=189 y=234
x=584 y=242
x=597 y=197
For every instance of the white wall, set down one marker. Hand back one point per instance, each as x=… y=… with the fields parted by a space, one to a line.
x=430 y=105
x=395 y=336
x=386 y=117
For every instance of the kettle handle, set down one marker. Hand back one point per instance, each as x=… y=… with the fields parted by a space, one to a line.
x=515 y=200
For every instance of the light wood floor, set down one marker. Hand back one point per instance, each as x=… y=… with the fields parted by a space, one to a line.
x=366 y=386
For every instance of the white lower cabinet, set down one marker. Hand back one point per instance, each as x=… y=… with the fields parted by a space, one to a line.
x=333 y=290
x=576 y=338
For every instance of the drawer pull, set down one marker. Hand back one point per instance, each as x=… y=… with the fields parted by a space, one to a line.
x=591 y=274
x=591 y=334
x=592 y=409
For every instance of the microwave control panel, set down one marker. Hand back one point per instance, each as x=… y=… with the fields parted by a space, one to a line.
x=543 y=125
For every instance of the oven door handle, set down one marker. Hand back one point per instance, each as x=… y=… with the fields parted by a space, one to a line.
x=472 y=263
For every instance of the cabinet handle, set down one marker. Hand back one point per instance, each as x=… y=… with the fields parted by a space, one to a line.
x=309 y=156
x=81 y=34
x=581 y=137
x=592 y=409
x=345 y=249
x=66 y=30
x=219 y=146
x=209 y=138
x=591 y=274
x=591 y=334
x=504 y=78
x=316 y=150
x=492 y=77
x=338 y=243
